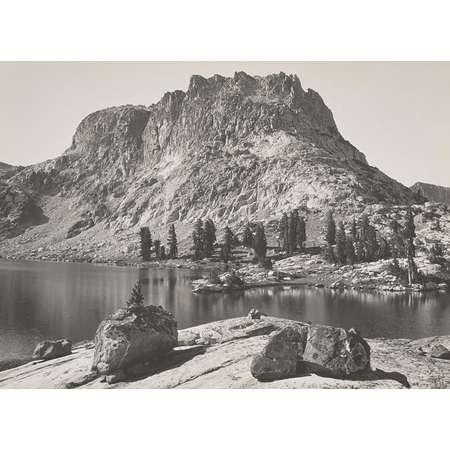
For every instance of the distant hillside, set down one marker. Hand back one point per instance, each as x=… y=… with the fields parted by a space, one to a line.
x=432 y=192
x=5 y=168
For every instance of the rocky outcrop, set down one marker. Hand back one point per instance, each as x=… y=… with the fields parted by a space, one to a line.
x=52 y=349
x=245 y=148
x=432 y=192
x=225 y=363
x=439 y=351
x=19 y=210
x=80 y=226
x=224 y=282
x=129 y=337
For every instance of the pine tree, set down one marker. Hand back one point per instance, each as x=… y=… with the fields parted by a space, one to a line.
x=292 y=232
x=146 y=243
x=172 y=242
x=397 y=244
x=436 y=253
x=364 y=228
x=329 y=254
x=157 y=248
x=409 y=232
x=301 y=233
x=350 y=250
x=330 y=228
x=437 y=225
x=136 y=300
x=227 y=245
x=247 y=238
x=198 y=237
x=371 y=245
x=260 y=243
x=162 y=251
x=359 y=251
x=210 y=238
x=283 y=233
x=341 y=244
x=354 y=232
x=395 y=264
x=384 y=249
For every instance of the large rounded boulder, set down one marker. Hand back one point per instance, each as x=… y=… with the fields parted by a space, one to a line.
x=133 y=335
x=282 y=355
x=336 y=352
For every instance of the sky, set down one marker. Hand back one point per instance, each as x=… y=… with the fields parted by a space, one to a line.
x=396 y=113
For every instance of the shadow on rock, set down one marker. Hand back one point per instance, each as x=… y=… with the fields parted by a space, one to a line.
x=379 y=374
x=365 y=375
x=175 y=358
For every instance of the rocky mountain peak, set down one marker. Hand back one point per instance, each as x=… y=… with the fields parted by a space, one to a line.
x=235 y=149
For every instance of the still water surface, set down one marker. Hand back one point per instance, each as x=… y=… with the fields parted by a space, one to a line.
x=41 y=300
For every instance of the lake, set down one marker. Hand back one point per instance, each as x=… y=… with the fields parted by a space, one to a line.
x=40 y=300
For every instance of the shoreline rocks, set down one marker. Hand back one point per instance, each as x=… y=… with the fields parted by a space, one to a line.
x=227 y=281
x=52 y=349
x=225 y=363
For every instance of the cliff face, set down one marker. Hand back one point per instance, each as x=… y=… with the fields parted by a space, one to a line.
x=233 y=149
x=432 y=192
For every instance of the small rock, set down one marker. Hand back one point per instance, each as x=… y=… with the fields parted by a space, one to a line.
x=440 y=351
x=187 y=337
x=254 y=314
x=52 y=349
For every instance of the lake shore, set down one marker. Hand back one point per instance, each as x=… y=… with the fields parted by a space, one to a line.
x=225 y=363
x=314 y=271
x=297 y=270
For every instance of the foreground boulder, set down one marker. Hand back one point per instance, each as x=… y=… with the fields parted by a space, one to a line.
x=336 y=352
x=324 y=350
x=131 y=336
x=52 y=349
x=282 y=355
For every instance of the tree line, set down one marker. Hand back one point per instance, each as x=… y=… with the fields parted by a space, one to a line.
x=204 y=241
x=291 y=232
x=363 y=244
x=149 y=247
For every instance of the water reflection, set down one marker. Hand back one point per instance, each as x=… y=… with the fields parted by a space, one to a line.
x=41 y=300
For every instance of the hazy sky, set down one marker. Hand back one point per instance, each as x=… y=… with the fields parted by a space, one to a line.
x=396 y=113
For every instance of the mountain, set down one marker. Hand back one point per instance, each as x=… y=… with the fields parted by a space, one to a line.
x=238 y=149
x=432 y=192
x=7 y=170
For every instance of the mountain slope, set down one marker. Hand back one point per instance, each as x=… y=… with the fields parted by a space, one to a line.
x=432 y=192
x=233 y=149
